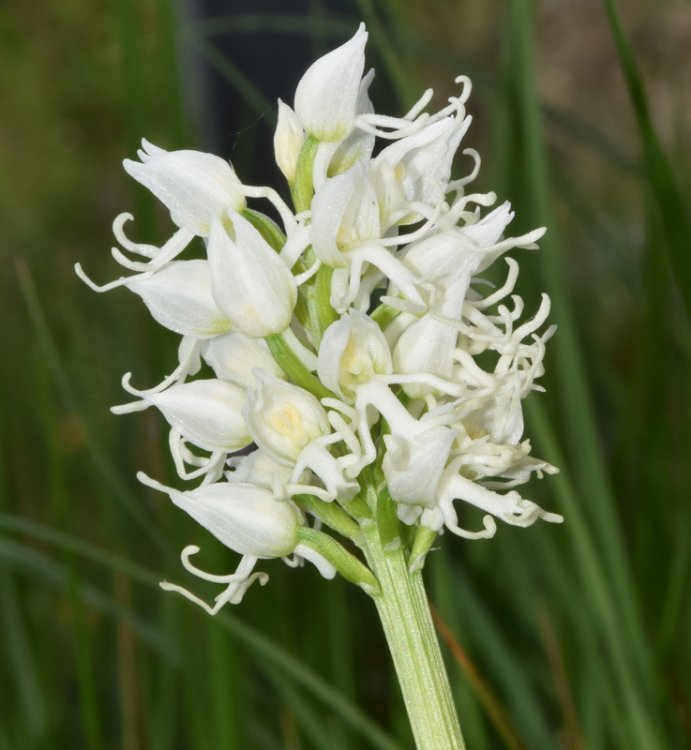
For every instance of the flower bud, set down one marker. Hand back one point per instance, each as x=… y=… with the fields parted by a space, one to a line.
x=233 y=357
x=288 y=139
x=244 y=517
x=251 y=284
x=326 y=97
x=195 y=187
x=179 y=298
x=283 y=418
x=352 y=350
x=208 y=413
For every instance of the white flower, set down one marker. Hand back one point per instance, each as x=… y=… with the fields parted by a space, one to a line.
x=346 y=234
x=257 y=468
x=247 y=519
x=283 y=418
x=413 y=465
x=416 y=169
x=352 y=351
x=445 y=259
x=207 y=413
x=179 y=298
x=427 y=346
x=244 y=517
x=345 y=215
x=327 y=95
x=195 y=187
x=250 y=282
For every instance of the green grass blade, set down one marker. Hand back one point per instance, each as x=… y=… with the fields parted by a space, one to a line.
x=666 y=193
x=27 y=686
x=55 y=367
x=602 y=558
x=261 y=646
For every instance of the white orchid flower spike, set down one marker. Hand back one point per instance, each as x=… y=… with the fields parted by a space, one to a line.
x=346 y=377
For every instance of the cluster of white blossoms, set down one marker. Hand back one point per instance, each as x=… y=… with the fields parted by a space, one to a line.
x=338 y=352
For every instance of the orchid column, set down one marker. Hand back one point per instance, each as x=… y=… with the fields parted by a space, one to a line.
x=346 y=382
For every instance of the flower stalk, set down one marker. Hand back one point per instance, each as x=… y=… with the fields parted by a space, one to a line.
x=407 y=622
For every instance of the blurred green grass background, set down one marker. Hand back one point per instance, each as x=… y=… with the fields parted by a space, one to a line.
x=573 y=637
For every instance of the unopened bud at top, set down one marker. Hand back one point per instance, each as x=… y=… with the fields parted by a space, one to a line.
x=327 y=95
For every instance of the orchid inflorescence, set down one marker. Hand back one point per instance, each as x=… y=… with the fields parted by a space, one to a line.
x=344 y=338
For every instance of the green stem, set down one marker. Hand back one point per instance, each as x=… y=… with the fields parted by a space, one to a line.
x=302 y=189
x=407 y=622
x=292 y=366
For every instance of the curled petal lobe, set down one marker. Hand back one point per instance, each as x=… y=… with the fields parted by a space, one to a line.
x=509 y=507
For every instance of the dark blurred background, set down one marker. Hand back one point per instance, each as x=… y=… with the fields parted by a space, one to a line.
x=575 y=637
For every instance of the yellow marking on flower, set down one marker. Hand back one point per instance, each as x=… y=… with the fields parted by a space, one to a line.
x=286 y=420
x=351 y=359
